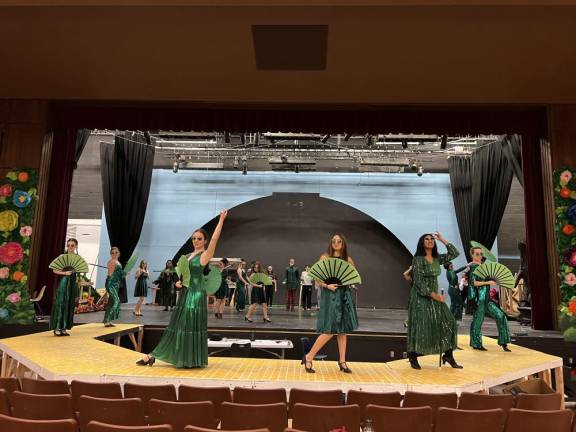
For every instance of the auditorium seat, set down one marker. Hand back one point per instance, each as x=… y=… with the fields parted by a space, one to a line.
x=520 y=420
x=181 y=414
x=242 y=416
x=123 y=412
x=199 y=429
x=417 y=419
x=4 y=404
x=45 y=387
x=13 y=424
x=111 y=390
x=450 y=420
x=42 y=407
x=216 y=395
x=477 y=401
x=539 y=402
x=95 y=426
x=314 y=397
x=318 y=418
x=250 y=396
x=433 y=400
x=165 y=392
x=9 y=384
x=363 y=399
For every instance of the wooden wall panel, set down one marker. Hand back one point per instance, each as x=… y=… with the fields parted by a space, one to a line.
x=562 y=127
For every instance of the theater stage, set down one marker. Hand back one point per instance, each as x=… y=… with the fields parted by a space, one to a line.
x=85 y=356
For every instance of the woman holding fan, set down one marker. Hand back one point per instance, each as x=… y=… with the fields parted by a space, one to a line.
x=337 y=314
x=258 y=279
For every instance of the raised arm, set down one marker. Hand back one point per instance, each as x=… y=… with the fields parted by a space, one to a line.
x=451 y=251
x=209 y=252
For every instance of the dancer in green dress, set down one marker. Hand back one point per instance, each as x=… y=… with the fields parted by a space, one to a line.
x=241 y=284
x=141 y=288
x=185 y=340
x=62 y=316
x=456 y=300
x=115 y=275
x=479 y=291
x=431 y=326
x=337 y=314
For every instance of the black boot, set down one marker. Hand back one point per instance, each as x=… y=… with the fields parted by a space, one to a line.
x=413 y=359
x=448 y=357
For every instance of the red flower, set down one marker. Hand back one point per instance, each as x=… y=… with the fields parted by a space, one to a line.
x=11 y=253
x=6 y=190
x=565 y=192
x=572 y=307
x=568 y=229
x=23 y=176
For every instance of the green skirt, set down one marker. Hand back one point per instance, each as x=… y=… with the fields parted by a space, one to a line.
x=62 y=316
x=337 y=312
x=431 y=327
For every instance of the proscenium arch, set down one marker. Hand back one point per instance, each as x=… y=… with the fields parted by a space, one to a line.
x=281 y=226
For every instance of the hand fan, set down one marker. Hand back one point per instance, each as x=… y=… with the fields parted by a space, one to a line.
x=335 y=271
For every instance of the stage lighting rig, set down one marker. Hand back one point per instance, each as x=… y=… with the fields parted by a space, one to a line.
x=347 y=137
x=420 y=171
x=444 y=142
x=369 y=140
x=325 y=138
x=175 y=166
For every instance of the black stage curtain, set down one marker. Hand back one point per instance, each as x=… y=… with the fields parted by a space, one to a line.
x=82 y=136
x=511 y=146
x=126 y=175
x=460 y=169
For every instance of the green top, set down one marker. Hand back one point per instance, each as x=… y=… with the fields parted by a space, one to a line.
x=292 y=277
x=451 y=276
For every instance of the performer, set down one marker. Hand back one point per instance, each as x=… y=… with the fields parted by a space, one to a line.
x=479 y=292
x=141 y=288
x=307 y=282
x=62 y=316
x=292 y=280
x=337 y=315
x=258 y=296
x=456 y=300
x=431 y=326
x=241 y=284
x=185 y=340
x=115 y=275
x=222 y=294
x=271 y=288
x=167 y=283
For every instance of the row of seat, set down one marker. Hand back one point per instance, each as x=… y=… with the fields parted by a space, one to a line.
x=310 y=418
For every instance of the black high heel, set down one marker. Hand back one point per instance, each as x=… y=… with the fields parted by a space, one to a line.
x=305 y=363
x=249 y=320
x=266 y=320
x=148 y=362
x=64 y=333
x=413 y=359
x=344 y=367
x=109 y=325
x=447 y=357
x=505 y=348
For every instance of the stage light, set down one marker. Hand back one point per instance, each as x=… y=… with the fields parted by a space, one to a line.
x=243 y=139
x=324 y=138
x=284 y=158
x=420 y=171
x=369 y=140
x=227 y=137
x=257 y=138
x=404 y=145
x=175 y=167
x=347 y=137
x=444 y=142
x=235 y=162
x=244 y=169
x=414 y=166
x=296 y=169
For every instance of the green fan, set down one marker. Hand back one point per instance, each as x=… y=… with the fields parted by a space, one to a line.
x=130 y=263
x=496 y=272
x=260 y=279
x=485 y=251
x=67 y=262
x=183 y=270
x=212 y=280
x=335 y=271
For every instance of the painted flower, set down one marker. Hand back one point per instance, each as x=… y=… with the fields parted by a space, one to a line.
x=14 y=297
x=8 y=220
x=571 y=213
x=11 y=253
x=565 y=177
x=6 y=190
x=23 y=177
x=26 y=231
x=17 y=276
x=568 y=229
x=565 y=192
x=21 y=199
x=570 y=256
x=572 y=307
x=4 y=272
x=570 y=279
x=4 y=313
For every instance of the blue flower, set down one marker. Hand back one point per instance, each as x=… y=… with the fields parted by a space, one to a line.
x=571 y=213
x=4 y=313
x=21 y=199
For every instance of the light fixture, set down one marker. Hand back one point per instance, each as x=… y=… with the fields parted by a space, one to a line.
x=444 y=142
x=324 y=138
x=420 y=171
x=414 y=166
x=369 y=140
x=235 y=162
x=227 y=137
x=244 y=169
x=404 y=145
x=243 y=138
x=175 y=167
x=296 y=169
x=347 y=137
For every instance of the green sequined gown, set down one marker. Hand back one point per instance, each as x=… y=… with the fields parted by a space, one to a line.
x=485 y=306
x=112 y=285
x=431 y=325
x=62 y=316
x=185 y=340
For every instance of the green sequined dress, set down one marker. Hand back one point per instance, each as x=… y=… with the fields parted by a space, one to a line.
x=431 y=325
x=62 y=316
x=185 y=340
x=112 y=286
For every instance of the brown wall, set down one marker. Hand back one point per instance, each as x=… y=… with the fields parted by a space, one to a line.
x=562 y=126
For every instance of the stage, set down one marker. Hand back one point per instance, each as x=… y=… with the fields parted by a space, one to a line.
x=85 y=356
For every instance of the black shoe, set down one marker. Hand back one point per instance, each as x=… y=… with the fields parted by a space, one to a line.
x=344 y=367
x=459 y=349
x=148 y=362
x=109 y=325
x=266 y=320
x=247 y=319
x=58 y=333
x=305 y=363
x=505 y=348
x=480 y=348
x=447 y=357
x=414 y=362
x=216 y=315
x=165 y=309
x=65 y=333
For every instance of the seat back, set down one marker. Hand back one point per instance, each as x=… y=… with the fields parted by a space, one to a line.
x=95 y=426
x=315 y=397
x=41 y=406
x=363 y=399
x=417 y=419
x=13 y=424
x=4 y=403
x=450 y=420
x=165 y=392
x=242 y=416
x=433 y=400
x=181 y=414
x=252 y=396
x=35 y=386
x=123 y=412
x=9 y=384
x=539 y=402
x=317 y=418
x=477 y=401
x=520 y=420
x=216 y=395
x=98 y=390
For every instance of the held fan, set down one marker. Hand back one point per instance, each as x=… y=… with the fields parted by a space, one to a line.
x=67 y=262
x=335 y=271
x=496 y=272
x=260 y=279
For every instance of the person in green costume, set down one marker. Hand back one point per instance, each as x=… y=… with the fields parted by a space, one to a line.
x=141 y=288
x=456 y=300
x=185 y=340
x=115 y=275
x=479 y=292
x=337 y=314
x=292 y=280
x=431 y=326
x=62 y=316
x=167 y=284
x=241 y=284
x=222 y=294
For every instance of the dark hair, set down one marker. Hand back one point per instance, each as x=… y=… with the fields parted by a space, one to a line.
x=114 y=248
x=420 y=251
x=472 y=249
x=169 y=261
x=72 y=239
x=257 y=264
x=343 y=251
x=447 y=265
x=204 y=234
x=225 y=261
